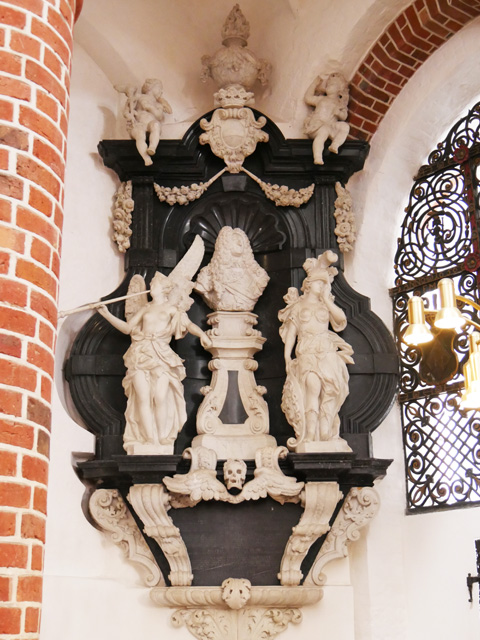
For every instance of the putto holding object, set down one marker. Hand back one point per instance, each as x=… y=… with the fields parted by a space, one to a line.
x=153 y=383
x=144 y=112
x=330 y=100
x=317 y=378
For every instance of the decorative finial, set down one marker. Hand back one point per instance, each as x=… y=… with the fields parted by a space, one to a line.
x=236 y=26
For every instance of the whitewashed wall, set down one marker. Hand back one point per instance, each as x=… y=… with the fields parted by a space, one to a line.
x=406 y=578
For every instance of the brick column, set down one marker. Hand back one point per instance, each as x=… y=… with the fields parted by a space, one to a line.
x=35 y=57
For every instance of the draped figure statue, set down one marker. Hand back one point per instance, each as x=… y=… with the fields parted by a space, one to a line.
x=153 y=383
x=317 y=378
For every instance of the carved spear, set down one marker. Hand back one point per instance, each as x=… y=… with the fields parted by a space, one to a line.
x=95 y=305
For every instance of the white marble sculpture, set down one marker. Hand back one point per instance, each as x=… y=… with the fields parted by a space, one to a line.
x=231 y=285
x=330 y=100
x=317 y=378
x=153 y=383
x=234 y=65
x=345 y=218
x=144 y=112
x=233 y=132
x=233 y=280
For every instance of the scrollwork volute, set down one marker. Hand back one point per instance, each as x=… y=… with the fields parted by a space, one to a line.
x=111 y=514
x=359 y=508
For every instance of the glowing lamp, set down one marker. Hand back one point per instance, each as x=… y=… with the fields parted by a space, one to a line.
x=448 y=316
x=417 y=331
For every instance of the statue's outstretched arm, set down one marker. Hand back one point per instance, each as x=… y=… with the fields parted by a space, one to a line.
x=121 y=325
x=310 y=97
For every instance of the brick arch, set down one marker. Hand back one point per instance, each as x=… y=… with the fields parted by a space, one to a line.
x=403 y=47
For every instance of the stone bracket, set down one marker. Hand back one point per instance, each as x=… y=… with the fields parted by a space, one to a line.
x=113 y=517
x=319 y=500
x=151 y=503
x=236 y=609
x=359 y=508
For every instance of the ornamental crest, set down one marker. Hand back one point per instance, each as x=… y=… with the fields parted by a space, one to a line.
x=232 y=134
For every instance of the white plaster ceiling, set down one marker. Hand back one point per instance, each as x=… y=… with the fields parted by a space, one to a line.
x=131 y=40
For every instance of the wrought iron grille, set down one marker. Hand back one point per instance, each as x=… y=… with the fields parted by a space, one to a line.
x=439 y=238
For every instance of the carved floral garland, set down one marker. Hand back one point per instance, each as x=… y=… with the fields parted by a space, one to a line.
x=122 y=216
x=280 y=194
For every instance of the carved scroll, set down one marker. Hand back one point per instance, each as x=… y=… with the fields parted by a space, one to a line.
x=151 y=504
x=111 y=514
x=320 y=500
x=361 y=505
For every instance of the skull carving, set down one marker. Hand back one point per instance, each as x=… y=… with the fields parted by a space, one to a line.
x=234 y=473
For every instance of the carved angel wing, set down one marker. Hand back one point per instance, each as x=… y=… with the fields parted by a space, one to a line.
x=132 y=305
x=183 y=274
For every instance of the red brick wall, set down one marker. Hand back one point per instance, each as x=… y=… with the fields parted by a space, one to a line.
x=408 y=41
x=35 y=57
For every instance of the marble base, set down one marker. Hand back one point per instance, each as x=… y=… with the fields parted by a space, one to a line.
x=240 y=447
x=325 y=446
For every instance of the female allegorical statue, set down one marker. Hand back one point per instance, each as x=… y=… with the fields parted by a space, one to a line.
x=317 y=379
x=153 y=383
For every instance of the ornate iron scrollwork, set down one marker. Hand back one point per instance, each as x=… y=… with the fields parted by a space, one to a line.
x=439 y=238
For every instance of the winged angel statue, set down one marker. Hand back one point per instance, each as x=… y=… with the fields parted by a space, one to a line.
x=153 y=383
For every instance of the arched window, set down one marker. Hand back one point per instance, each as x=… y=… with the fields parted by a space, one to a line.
x=440 y=238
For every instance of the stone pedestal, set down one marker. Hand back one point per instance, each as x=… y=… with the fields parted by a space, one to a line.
x=233 y=417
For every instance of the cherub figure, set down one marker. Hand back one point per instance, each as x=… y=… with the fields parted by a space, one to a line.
x=144 y=112
x=153 y=383
x=326 y=122
x=317 y=379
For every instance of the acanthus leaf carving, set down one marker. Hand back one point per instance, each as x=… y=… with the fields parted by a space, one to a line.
x=246 y=624
x=320 y=500
x=151 y=503
x=111 y=514
x=359 y=508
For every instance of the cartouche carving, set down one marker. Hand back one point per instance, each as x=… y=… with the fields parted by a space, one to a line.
x=122 y=216
x=319 y=500
x=345 y=218
x=151 y=503
x=330 y=100
x=111 y=514
x=153 y=383
x=233 y=132
x=361 y=505
x=144 y=112
x=317 y=378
